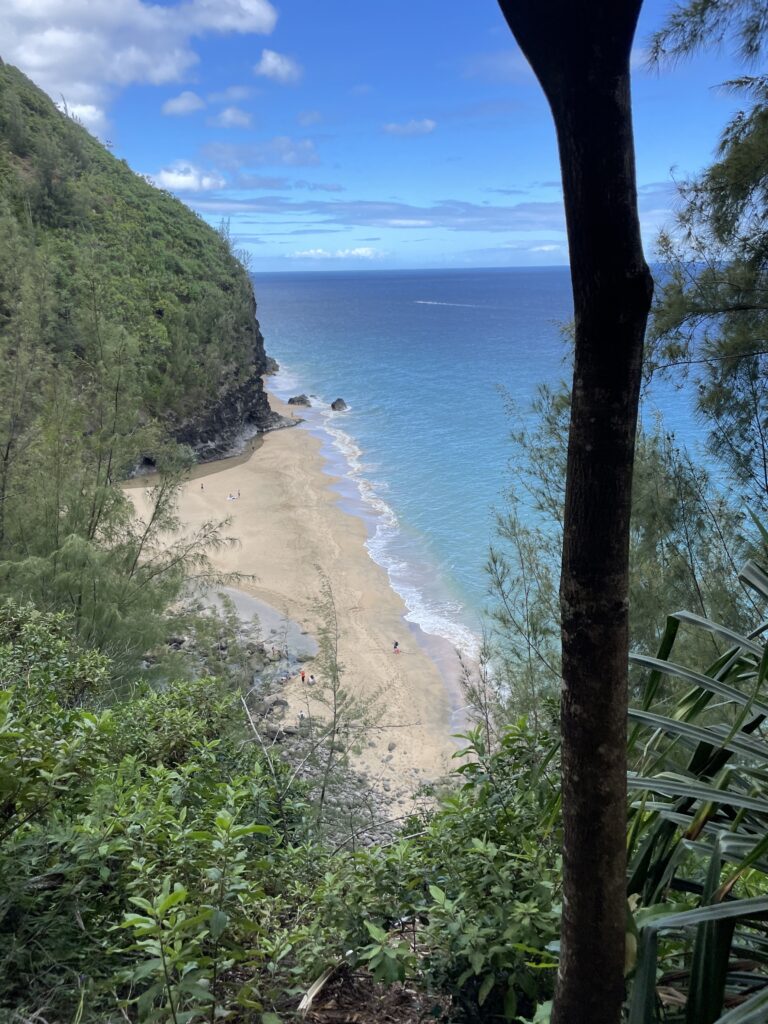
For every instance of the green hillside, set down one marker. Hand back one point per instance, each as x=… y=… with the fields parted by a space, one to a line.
x=127 y=326
x=88 y=249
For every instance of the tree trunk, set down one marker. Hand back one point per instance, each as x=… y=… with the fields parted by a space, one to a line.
x=579 y=50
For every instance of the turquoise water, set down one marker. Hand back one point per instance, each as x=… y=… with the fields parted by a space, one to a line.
x=422 y=358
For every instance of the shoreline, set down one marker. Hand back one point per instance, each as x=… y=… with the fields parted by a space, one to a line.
x=438 y=611
x=292 y=534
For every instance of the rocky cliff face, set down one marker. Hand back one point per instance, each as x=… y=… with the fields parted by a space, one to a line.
x=240 y=411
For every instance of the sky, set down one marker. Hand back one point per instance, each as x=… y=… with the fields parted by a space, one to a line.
x=348 y=134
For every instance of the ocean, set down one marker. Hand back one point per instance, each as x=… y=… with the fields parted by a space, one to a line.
x=424 y=360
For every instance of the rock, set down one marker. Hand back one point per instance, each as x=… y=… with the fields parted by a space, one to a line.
x=272 y=366
x=299 y=400
x=387 y=786
x=391 y=746
x=339 y=405
x=278 y=732
x=275 y=701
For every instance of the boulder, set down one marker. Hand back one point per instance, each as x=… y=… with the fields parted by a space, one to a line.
x=275 y=702
x=278 y=732
x=339 y=405
x=299 y=400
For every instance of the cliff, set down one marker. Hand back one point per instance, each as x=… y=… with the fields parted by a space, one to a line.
x=112 y=256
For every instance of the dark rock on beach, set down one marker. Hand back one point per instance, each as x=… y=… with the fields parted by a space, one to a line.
x=299 y=400
x=339 y=405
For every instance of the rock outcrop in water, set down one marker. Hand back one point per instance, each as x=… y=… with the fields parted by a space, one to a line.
x=339 y=405
x=299 y=400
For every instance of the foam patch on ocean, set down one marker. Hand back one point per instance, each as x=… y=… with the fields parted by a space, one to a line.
x=458 y=305
x=410 y=574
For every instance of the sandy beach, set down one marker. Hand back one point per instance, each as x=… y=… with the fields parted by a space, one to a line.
x=291 y=533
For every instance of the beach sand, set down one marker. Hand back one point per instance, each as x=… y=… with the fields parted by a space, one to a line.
x=291 y=533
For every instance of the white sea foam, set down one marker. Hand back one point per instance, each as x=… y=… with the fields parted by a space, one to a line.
x=436 y=616
x=461 y=305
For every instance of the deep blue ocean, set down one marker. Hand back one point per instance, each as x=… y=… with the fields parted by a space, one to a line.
x=423 y=359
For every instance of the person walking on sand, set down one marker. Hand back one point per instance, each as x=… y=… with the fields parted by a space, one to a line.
x=303 y=675
x=395 y=647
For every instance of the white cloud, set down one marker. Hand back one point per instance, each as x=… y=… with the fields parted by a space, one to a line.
x=86 y=51
x=91 y=116
x=362 y=252
x=309 y=117
x=279 y=151
x=185 y=177
x=286 y=151
x=231 y=15
x=408 y=222
x=232 y=117
x=546 y=248
x=278 y=67
x=424 y=127
x=232 y=94
x=185 y=103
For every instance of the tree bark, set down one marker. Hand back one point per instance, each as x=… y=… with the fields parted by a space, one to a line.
x=579 y=50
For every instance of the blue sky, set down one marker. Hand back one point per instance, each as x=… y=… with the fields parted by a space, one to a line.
x=342 y=134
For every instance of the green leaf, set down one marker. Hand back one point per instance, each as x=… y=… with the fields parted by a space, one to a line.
x=218 y=922
x=510 y=1002
x=178 y=895
x=375 y=932
x=642 y=1001
x=705 y=682
x=437 y=895
x=753 y=1011
x=147 y=968
x=697 y=734
x=681 y=786
x=718 y=912
x=250 y=830
x=485 y=988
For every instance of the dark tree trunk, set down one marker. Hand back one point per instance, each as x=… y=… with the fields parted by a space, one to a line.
x=579 y=50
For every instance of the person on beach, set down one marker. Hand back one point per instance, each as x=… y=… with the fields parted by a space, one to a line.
x=395 y=647
x=303 y=675
x=238 y=492
x=311 y=679
x=202 y=487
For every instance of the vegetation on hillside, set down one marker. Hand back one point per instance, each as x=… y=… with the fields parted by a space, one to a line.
x=125 y=323
x=157 y=865
x=93 y=255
